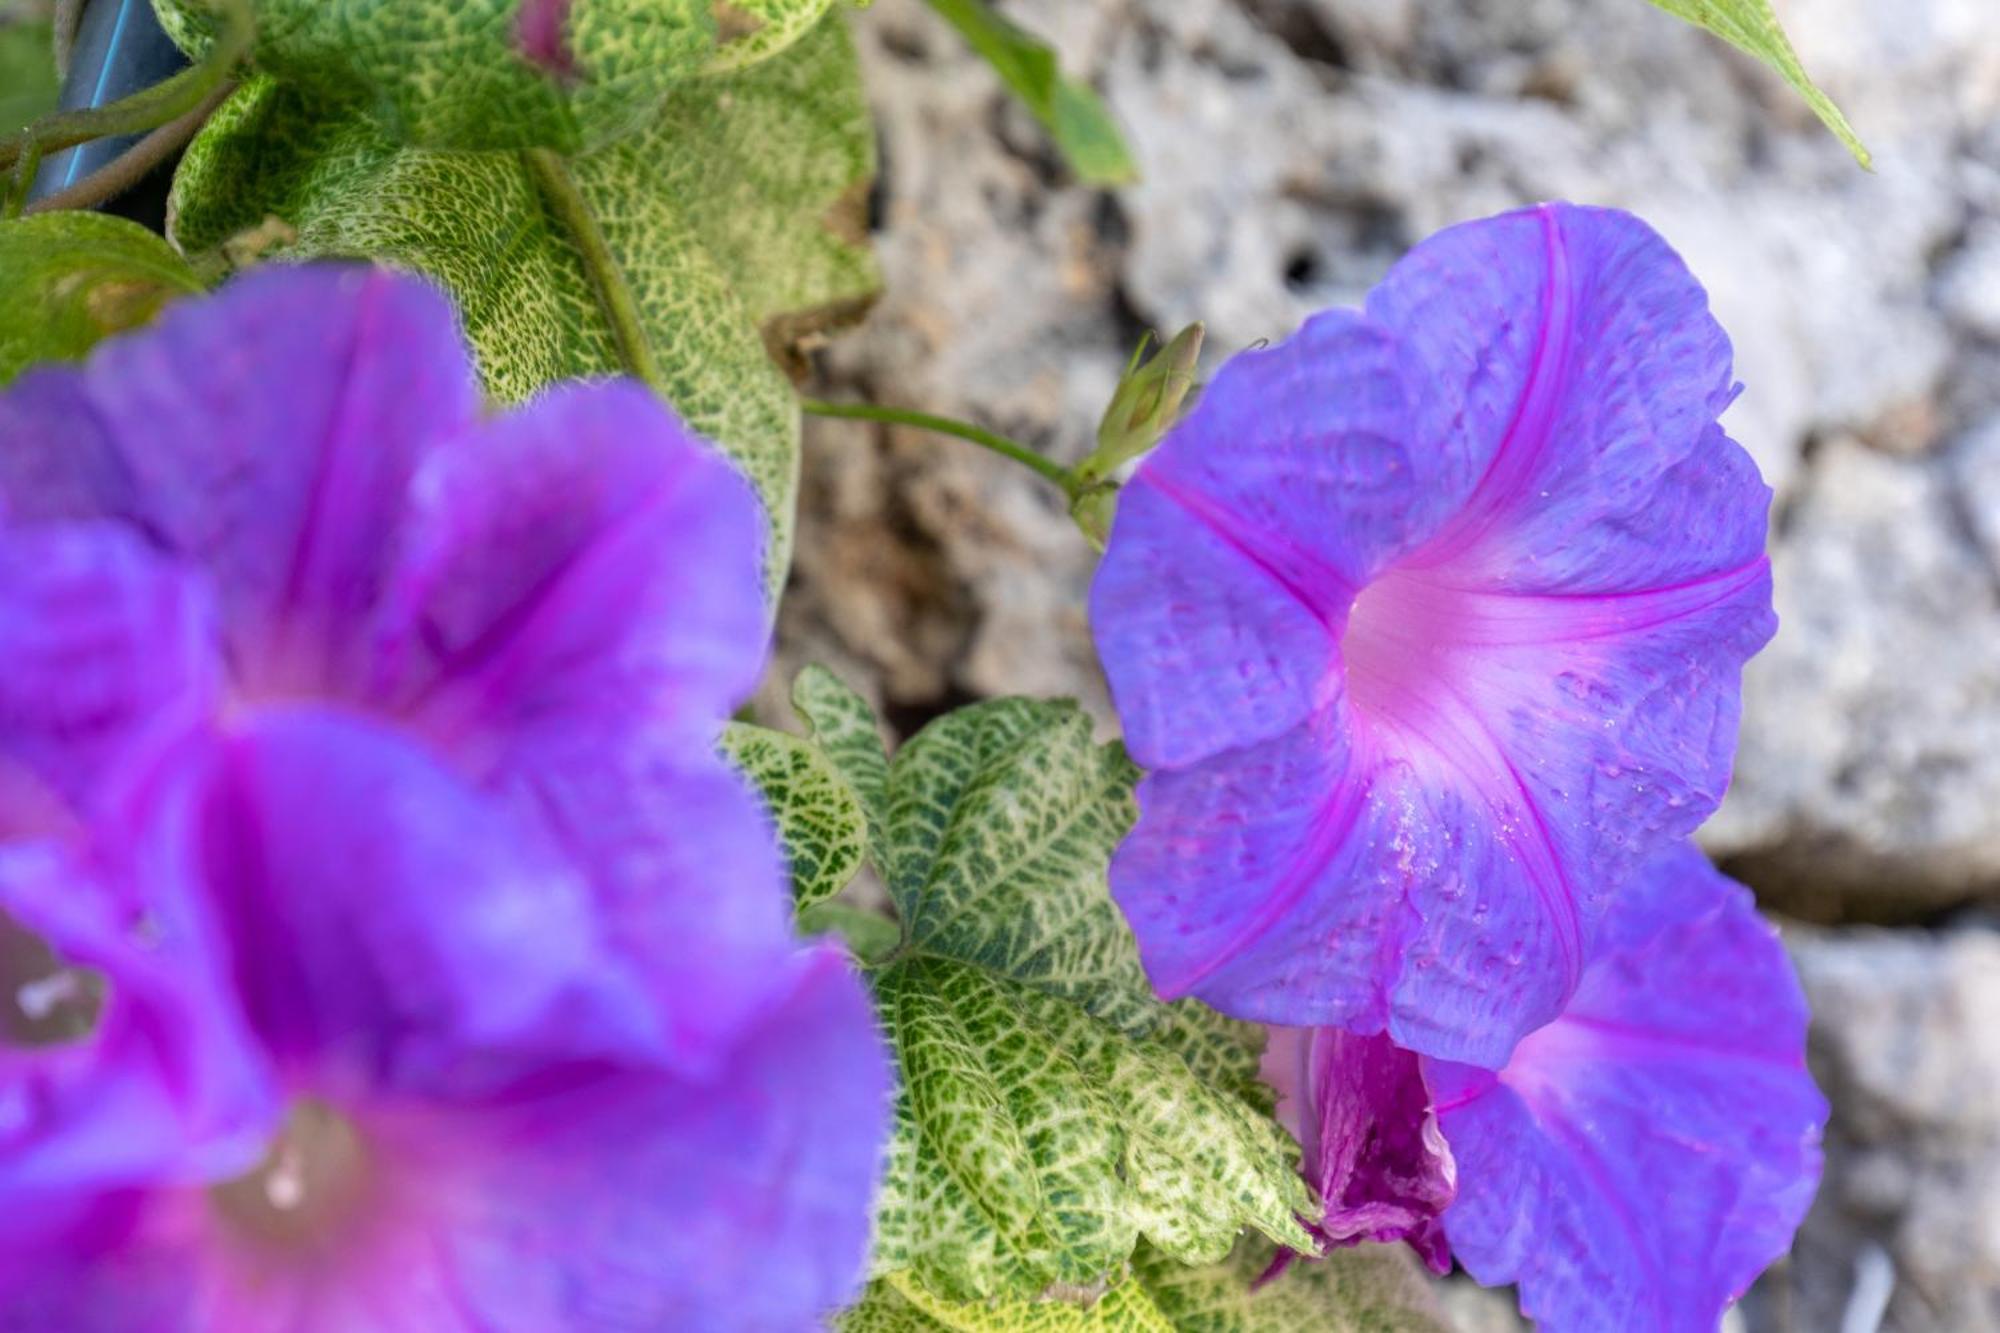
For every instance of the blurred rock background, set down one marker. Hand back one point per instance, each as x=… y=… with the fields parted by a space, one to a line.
x=1291 y=150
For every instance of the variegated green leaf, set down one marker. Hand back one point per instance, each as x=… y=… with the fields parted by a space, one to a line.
x=883 y=1310
x=901 y=1306
x=734 y=217
x=1221 y=1052
x=68 y=280
x=1035 y=1144
x=459 y=73
x=1751 y=26
x=819 y=818
x=750 y=30
x=1052 y=1112
x=1369 y=1289
x=843 y=727
x=1002 y=819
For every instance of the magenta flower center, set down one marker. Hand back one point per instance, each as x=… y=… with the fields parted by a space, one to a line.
x=309 y=1187
x=1397 y=647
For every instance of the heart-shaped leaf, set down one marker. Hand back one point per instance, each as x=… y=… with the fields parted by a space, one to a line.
x=736 y=218
x=1053 y=1112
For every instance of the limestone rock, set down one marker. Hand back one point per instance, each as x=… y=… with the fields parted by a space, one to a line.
x=1905 y=1045
x=1869 y=773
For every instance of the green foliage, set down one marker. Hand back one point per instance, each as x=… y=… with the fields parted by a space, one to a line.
x=819 y=818
x=27 y=72
x=1052 y=1111
x=68 y=280
x=843 y=727
x=1073 y=115
x=735 y=216
x=1749 y=25
x=750 y=30
x=905 y=1307
x=1370 y=1289
x=869 y=936
x=452 y=73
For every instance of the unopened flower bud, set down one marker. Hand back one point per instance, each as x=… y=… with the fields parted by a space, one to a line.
x=1145 y=406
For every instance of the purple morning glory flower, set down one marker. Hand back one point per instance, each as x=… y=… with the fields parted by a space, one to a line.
x=1638 y=1162
x=385 y=945
x=1429 y=624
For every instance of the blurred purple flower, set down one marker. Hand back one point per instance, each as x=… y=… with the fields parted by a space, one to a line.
x=1429 y=623
x=1638 y=1162
x=541 y=33
x=389 y=948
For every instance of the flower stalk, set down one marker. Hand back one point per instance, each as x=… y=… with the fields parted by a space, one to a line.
x=1144 y=407
x=166 y=102
x=1047 y=468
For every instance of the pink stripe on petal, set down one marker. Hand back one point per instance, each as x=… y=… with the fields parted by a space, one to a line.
x=266 y=437
x=1640 y=1160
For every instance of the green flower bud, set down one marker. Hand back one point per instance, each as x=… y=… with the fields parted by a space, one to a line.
x=1144 y=407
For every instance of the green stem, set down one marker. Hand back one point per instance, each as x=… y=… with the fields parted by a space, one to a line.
x=19 y=183
x=121 y=173
x=963 y=430
x=614 y=294
x=147 y=109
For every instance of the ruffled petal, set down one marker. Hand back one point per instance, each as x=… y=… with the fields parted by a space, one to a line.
x=407 y=954
x=1540 y=561
x=740 y=1203
x=1281 y=824
x=99 y=1262
x=111 y=657
x=1174 y=602
x=629 y=1200
x=579 y=608
x=584 y=561
x=1572 y=736
x=1369 y=890
x=266 y=435
x=390 y=927
x=1240 y=543
x=1570 y=352
x=687 y=879
x=1644 y=1157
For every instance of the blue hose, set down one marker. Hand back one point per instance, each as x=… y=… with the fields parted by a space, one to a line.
x=120 y=48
